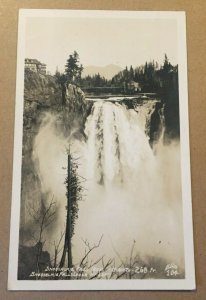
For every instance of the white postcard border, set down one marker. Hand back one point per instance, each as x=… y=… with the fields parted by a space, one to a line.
x=130 y=284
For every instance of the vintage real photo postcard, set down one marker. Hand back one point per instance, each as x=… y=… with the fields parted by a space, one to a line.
x=101 y=179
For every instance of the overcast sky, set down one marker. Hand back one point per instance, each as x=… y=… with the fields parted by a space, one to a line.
x=100 y=42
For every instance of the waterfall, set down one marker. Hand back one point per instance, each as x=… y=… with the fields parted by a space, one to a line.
x=117 y=142
x=128 y=198
x=132 y=192
x=162 y=124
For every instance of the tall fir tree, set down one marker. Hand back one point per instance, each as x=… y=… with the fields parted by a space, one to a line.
x=73 y=68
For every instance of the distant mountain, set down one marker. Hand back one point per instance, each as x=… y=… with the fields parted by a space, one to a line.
x=107 y=71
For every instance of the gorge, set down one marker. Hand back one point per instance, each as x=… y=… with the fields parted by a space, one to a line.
x=130 y=165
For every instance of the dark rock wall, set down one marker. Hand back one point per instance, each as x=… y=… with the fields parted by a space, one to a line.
x=43 y=93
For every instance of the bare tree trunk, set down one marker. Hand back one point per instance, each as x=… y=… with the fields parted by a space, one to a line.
x=67 y=242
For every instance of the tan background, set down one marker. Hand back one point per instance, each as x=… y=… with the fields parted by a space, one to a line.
x=196 y=38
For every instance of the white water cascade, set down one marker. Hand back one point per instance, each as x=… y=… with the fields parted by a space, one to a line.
x=132 y=193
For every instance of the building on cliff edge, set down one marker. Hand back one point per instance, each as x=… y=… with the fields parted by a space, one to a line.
x=35 y=66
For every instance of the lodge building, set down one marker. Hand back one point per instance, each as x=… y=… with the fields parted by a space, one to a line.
x=35 y=66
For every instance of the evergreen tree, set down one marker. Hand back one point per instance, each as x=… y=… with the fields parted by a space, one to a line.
x=167 y=65
x=126 y=74
x=131 y=73
x=73 y=68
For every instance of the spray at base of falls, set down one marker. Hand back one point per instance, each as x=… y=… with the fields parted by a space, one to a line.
x=132 y=194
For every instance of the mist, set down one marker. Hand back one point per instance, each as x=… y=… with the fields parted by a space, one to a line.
x=132 y=192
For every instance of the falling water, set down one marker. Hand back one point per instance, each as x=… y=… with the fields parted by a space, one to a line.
x=117 y=144
x=131 y=193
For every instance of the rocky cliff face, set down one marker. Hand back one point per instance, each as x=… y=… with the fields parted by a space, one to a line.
x=43 y=94
x=155 y=129
x=157 y=117
x=75 y=109
x=43 y=89
x=27 y=262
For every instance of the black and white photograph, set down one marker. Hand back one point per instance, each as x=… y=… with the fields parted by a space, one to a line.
x=101 y=195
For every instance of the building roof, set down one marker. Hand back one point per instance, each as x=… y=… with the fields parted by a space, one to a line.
x=33 y=61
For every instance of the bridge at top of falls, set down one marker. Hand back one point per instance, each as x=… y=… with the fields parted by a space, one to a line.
x=114 y=91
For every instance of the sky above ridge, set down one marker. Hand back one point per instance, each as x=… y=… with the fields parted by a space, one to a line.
x=100 y=41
